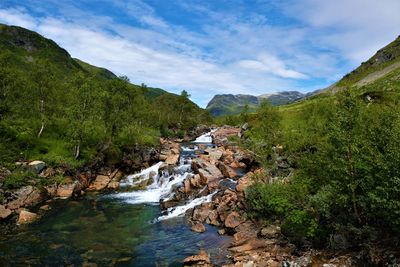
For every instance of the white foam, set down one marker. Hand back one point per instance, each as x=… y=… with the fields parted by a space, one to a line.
x=180 y=210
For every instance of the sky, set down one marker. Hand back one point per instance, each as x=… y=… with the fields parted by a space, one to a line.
x=209 y=47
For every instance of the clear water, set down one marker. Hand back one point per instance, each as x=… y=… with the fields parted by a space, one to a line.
x=109 y=233
x=119 y=229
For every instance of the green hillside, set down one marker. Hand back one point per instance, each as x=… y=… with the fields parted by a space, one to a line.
x=336 y=169
x=65 y=111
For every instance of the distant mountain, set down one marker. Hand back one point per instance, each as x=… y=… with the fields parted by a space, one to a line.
x=228 y=104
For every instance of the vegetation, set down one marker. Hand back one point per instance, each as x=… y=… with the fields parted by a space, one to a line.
x=344 y=151
x=67 y=112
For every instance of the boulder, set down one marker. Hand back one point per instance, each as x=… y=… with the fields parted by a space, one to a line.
x=65 y=190
x=271 y=231
x=198 y=227
x=233 y=220
x=114 y=184
x=227 y=171
x=4 y=212
x=213 y=153
x=244 y=182
x=201 y=212
x=172 y=159
x=200 y=259
x=26 y=196
x=26 y=217
x=36 y=166
x=100 y=183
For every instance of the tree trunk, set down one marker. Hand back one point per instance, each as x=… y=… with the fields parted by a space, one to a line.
x=41 y=130
x=77 y=150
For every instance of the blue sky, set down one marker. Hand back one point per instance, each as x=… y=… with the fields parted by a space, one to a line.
x=210 y=47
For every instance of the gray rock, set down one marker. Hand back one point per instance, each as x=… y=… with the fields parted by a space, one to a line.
x=37 y=166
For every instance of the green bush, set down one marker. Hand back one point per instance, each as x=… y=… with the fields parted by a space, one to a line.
x=18 y=179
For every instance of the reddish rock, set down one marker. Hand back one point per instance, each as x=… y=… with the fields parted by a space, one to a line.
x=114 y=184
x=66 y=190
x=26 y=196
x=202 y=259
x=233 y=220
x=4 y=212
x=198 y=227
x=227 y=171
x=172 y=159
x=26 y=217
x=244 y=182
x=201 y=212
x=99 y=183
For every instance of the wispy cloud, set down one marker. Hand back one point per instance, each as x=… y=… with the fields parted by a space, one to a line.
x=230 y=49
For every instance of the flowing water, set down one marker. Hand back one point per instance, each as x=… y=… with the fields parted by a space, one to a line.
x=118 y=229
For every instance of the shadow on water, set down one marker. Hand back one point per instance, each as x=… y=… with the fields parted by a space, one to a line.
x=107 y=232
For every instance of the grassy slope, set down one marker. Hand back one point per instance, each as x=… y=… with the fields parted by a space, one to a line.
x=19 y=49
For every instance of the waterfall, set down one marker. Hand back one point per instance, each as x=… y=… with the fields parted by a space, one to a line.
x=159 y=185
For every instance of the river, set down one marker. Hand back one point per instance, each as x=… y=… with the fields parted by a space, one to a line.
x=123 y=228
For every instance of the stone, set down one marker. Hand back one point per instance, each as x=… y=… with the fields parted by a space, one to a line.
x=114 y=184
x=45 y=207
x=233 y=220
x=26 y=217
x=271 y=231
x=186 y=185
x=37 y=166
x=213 y=218
x=201 y=258
x=4 y=212
x=99 y=183
x=244 y=182
x=65 y=191
x=198 y=228
x=26 y=196
x=172 y=159
x=214 y=153
x=221 y=231
x=201 y=213
x=227 y=171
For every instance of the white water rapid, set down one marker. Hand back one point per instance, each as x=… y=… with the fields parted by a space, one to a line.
x=156 y=184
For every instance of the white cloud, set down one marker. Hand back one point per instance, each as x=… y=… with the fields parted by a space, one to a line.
x=231 y=52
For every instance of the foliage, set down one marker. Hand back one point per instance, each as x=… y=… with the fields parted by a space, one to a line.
x=67 y=112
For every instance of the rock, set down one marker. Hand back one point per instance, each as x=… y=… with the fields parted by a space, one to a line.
x=99 y=183
x=214 y=153
x=207 y=171
x=271 y=231
x=4 y=212
x=233 y=220
x=201 y=259
x=213 y=218
x=37 y=166
x=26 y=217
x=172 y=159
x=227 y=171
x=221 y=231
x=65 y=190
x=186 y=185
x=45 y=207
x=244 y=182
x=26 y=196
x=201 y=213
x=198 y=227
x=113 y=184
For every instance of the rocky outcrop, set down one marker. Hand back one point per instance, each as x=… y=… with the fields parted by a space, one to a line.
x=26 y=196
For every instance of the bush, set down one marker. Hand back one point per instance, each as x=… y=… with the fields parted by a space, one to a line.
x=19 y=179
